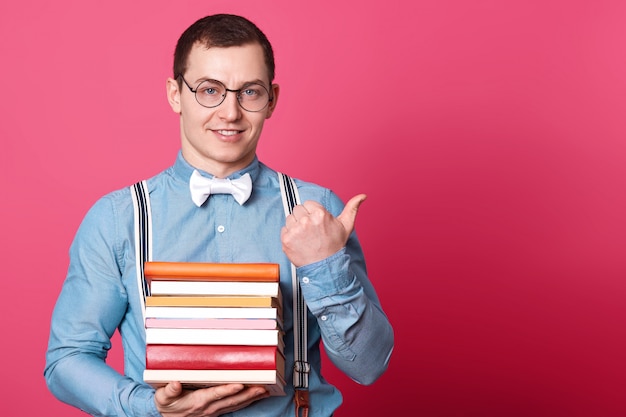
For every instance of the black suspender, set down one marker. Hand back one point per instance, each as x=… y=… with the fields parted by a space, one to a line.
x=143 y=236
x=301 y=366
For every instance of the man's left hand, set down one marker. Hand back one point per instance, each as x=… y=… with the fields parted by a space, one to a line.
x=311 y=233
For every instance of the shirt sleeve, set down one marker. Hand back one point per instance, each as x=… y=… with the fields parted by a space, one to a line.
x=357 y=334
x=89 y=309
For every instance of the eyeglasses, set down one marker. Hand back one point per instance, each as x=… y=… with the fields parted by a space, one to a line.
x=252 y=97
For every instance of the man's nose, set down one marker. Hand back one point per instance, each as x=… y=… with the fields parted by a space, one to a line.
x=230 y=109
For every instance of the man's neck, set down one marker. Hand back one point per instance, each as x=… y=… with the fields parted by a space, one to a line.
x=217 y=169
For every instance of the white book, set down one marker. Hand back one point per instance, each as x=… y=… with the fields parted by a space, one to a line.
x=214 y=312
x=201 y=378
x=253 y=337
x=271 y=289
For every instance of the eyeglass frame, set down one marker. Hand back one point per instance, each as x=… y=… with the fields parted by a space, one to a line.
x=237 y=92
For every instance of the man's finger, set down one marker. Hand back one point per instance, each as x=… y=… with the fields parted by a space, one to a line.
x=348 y=215
x=169 y=393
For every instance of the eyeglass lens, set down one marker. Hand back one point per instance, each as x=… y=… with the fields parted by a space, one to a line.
x=252 y=96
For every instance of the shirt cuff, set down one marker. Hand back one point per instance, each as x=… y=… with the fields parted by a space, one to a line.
x=145 y=404
x=326 y=277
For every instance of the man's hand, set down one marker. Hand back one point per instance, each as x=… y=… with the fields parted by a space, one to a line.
x=311 y=233
x=172 y=401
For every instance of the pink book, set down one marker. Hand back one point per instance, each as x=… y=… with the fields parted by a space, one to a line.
x=167 y=323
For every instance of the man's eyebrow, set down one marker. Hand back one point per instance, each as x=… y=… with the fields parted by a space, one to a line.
x=255 y=81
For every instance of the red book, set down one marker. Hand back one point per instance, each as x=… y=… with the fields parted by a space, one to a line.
x=214 y=357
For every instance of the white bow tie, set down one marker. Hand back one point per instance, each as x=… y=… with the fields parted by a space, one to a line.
x=201 y=188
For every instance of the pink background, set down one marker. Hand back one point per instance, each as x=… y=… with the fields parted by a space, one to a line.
x=489 y=136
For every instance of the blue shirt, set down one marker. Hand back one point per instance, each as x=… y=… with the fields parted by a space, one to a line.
x=100 y=293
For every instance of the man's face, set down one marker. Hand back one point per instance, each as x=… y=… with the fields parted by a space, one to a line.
x=222 y=139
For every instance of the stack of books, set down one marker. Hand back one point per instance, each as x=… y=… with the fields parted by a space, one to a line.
x=209 y=324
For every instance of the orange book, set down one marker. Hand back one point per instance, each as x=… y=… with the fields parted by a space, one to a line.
x=205 y=271
x=212 y=301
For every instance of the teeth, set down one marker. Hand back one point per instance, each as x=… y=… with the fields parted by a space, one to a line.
x=227 y=132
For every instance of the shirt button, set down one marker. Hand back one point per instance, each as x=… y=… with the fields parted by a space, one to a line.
x=221 y=228
x=305 y=280
x=324 y=318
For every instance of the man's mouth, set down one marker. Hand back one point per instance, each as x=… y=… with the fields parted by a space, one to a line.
x=228 y=132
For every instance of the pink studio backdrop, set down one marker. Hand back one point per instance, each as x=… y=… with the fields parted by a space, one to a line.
x=488 y=135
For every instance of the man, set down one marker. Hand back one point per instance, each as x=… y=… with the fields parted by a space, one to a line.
x=222 y=90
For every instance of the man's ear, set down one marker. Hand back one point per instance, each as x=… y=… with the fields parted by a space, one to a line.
x=272 y=105
x=173 y=95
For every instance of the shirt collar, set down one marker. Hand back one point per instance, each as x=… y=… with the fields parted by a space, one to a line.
x=182 y=169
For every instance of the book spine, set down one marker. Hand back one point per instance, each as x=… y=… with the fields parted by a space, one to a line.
x=252 y=337
x=206 y=271
x=168 y=323
x=214 y=357
x=193 y=379
x=212 y=301
x=271 y=289
x=213 y=312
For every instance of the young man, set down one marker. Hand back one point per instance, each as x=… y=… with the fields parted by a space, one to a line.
x=223 y=92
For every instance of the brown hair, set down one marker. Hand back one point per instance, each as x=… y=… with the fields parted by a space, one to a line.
x=222 y=31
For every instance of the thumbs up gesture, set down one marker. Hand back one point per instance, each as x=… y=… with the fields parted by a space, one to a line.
x=311 y=233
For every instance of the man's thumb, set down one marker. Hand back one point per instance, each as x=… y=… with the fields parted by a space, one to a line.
x=348 y=215
x=169 y=393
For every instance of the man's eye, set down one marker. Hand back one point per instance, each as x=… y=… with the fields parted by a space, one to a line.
x=251 y=92
x=209 y=91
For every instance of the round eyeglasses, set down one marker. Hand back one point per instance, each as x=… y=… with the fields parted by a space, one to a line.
x=252 y=97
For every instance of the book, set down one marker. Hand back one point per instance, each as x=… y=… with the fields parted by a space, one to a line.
x=168 y=323
x=212 y=271
x=214 y=357
x=215 y=313
x=202 y=378
x=254 y=337
x=213 y=301
x=271 y=289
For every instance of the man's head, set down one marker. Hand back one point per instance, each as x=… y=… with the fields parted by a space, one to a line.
x=221 y=31
x=222 y=89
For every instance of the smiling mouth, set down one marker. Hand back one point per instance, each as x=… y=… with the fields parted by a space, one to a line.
x=228 y=132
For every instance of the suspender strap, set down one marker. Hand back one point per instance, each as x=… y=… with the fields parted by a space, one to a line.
x=143 y=236
x=301 y=367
